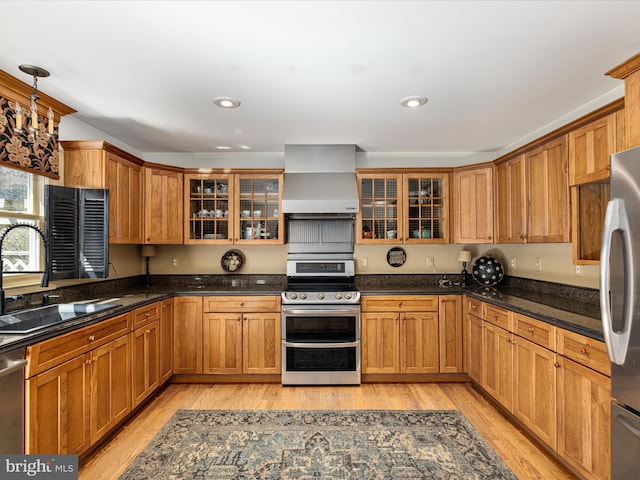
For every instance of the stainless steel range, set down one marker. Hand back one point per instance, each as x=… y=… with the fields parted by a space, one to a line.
x=321 y=323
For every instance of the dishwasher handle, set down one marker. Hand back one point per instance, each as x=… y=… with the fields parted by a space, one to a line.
x=12 y=366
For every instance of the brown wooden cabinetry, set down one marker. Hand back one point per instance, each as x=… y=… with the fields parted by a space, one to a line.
x=98 y=164
x=233 y=208
x=450 y=332
x=163 y=199
x=145 y=352
x=497 y=363
x=411 y=207
x=166 y=340
x=472 y=339
x=187 y=338
x=473 y=204
x=511 y=201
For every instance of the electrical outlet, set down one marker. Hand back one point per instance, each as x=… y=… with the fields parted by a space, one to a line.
x=578 y=270
x=539 y=264
x=513 y=263
x=364 y=262
x=174 y=262
x=431 y=262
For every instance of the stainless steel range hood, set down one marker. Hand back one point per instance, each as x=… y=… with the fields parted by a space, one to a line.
x=320 y=179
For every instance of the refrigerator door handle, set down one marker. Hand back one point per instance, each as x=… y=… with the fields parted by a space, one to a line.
x=617 y=342
x=628 y=425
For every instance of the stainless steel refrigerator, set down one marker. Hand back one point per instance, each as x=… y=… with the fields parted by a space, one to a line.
x=620 y=306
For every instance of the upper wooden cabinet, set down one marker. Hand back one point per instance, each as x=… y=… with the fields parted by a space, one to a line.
x=163 y=205
x=411 y=207
x=97 y=164
x=591 y=146
x=473 y=204
x=233 y=208
x=532 y=196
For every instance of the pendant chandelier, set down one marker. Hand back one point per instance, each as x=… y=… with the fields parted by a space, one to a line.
x=31 y=126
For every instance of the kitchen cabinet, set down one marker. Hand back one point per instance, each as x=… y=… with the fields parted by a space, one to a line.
x=233 y=208
x=497 y=363
x=473 y=204
x=163 y=212
x=411 y=207
x=588 y=208
x=145 y=352
x=242 y=335
x=166 y=340
x=98 y=164
x=450 y=333
x=532 y=196
x=472 y=339
x=400 y=334
x=187 y=338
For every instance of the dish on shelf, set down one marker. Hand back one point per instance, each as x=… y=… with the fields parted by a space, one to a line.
x=232 y=261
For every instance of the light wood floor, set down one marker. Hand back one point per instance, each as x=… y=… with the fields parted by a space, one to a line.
x=523 y=457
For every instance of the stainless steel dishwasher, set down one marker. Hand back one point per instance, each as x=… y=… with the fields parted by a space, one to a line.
x=12 y=365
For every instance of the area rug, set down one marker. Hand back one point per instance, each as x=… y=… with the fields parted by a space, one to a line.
x=317 y=444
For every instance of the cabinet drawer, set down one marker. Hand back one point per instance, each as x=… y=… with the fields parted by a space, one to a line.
x=587 y=351
x=498 y=316
x=146 y=314
x=474 y=307
x=242 y=304
x=55 y=351
x=403 y=303
x=535 y=331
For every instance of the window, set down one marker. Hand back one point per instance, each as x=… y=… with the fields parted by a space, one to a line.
x=21 y=202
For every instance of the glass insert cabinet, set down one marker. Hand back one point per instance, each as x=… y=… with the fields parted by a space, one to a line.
x=233 y=208
x=403 y=208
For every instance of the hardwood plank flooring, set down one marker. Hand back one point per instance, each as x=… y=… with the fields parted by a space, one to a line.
x=524 y=458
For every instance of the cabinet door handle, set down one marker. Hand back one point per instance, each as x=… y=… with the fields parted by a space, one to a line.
x=556 y=364
x=531 y=330
x=92 y=338
x=584 y=351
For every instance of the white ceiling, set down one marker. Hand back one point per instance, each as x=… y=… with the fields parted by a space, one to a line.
x=320 y=72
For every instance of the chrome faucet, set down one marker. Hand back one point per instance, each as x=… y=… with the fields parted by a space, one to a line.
x=45 y=272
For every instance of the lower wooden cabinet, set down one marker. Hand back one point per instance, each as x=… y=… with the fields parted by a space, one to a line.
x=473 y=333
x=450 y=333
x=187 y=338
x=145 y=358
x=584 y=419
x=497 y=363
x=166 y=340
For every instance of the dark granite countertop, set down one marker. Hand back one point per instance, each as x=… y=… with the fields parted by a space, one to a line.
x=567 y=307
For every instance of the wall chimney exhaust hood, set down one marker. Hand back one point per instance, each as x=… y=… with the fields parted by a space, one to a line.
x=320 y=179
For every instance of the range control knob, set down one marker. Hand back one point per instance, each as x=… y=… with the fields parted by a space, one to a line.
x=293 y=296
x=348 y=296
x=303 y=296
x=338 y=295
x=321 y=296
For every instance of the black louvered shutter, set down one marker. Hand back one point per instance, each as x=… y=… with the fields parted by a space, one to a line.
x=77 y=228
x=61 y=225
x=94 y=233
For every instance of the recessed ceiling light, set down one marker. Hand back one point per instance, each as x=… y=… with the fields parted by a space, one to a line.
x=413 y=102
x=223 y=147
x=226 y=102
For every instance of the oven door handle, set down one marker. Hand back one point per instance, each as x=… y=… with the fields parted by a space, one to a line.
x=321 y=345
x=327 y=312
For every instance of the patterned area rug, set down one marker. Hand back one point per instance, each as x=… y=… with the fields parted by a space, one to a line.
x=317 y=444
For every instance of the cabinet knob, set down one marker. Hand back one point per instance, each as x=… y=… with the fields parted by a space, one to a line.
x=489 y=237
x=531 y=330
x=92 y=338
x=556 y=364
x=584 y=351
x=473 y=307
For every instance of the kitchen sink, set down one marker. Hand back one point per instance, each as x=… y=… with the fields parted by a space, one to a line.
x=28 y=321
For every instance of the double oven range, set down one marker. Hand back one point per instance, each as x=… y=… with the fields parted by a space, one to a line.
x=321 y=317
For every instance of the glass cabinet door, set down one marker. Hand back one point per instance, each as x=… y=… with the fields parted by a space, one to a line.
x=426 y=215
x=258 y=214
x=380 y=212
x=208 y=207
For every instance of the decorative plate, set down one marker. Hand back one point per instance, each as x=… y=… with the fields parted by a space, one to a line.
x=232 y=261
x=396 y=257
x=487 y=271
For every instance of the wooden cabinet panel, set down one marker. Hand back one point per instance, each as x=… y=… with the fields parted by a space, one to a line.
x=511 y=201
x=147 y=314
x=380 y=343
x=381 y=208
x=548 y=193
x=474 y=348
x=534 y=389
x=187 y=338
x=587 y=351
x=590 y=148
x=145 y=361
x=497 y=363
x=450 y=333
x=166 y=340
x=110 y=386
x=242 y=304
x=402 y=303
x=222 y=350
x=57 y=403
x=163 y=197
x=419 y=342
x=49 y=353
x=584 y=419
x=588 y=208
x=261 y=340
x=498 y=316
x=473 y=205
x=534 y=330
